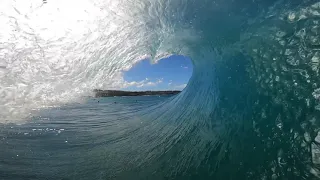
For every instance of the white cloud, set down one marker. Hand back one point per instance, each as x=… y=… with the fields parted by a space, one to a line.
x=180 y=87
x=143 y=83
x=151 y=83
x=184 y=67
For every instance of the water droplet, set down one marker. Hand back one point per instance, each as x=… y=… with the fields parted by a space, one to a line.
x=308 y=102
x=317 y=138
x=307 y=136
x=315 y=61
x=316 y=5
x=274 y=176
x=291 y=16
x=315 y=153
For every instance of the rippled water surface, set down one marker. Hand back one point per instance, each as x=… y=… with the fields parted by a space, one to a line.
x=76 y=141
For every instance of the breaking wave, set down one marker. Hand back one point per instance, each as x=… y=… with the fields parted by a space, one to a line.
x=254 y=91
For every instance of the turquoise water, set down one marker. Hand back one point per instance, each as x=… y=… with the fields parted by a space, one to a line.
x=96 y=139
x=250 y=110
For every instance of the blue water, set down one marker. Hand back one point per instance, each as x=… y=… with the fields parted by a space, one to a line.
x=249 y=112
x=95 y=139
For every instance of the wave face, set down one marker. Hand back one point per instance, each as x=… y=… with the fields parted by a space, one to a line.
x=54 y=52
x=254 y=91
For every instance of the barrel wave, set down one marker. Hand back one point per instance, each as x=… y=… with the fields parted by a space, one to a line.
x=251 y=109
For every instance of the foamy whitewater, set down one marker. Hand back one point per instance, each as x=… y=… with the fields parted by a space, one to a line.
x=249 y=111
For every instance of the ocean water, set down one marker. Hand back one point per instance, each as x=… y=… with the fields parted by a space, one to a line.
x=88 y=140
x=250 y=110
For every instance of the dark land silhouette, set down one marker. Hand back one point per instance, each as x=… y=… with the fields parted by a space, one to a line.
x=112 y=93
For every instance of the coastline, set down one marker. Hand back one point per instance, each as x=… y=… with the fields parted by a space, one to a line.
x=115 y=93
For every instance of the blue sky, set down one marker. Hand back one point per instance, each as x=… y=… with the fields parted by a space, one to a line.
x=172 y=73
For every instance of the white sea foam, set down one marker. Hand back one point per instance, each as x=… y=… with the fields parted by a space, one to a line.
x=54 y=52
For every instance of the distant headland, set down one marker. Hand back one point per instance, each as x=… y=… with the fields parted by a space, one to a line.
x=112 y=93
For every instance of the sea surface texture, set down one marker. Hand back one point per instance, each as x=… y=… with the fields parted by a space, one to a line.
x=251 y=110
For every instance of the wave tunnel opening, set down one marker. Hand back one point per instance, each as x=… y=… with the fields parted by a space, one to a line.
x=167 y=74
